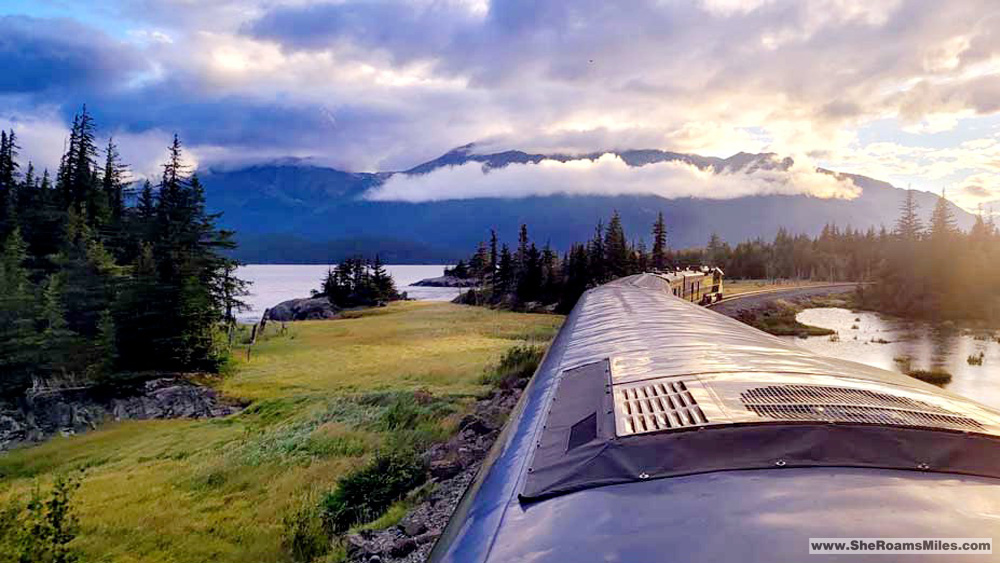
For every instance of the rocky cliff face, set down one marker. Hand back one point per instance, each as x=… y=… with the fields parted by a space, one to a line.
x=41 y=415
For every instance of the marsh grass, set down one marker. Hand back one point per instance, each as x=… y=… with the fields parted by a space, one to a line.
x=935 y=375
x=322 y=398
x=779 y=319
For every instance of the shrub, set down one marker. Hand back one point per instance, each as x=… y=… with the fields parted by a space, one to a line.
x=363 y=495
x=976 y=359
x=303 y=536
x=937 y=376
x=40 y=530
x=517 y=364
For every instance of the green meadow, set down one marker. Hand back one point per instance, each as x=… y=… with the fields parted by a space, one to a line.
x=317 y=396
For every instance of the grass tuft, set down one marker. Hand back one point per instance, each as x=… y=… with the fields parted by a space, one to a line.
x=516 y=365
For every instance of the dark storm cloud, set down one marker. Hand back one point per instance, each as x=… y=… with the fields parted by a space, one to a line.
x=407 y=31
x=42 y=54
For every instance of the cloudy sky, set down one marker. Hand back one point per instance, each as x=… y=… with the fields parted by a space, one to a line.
x=906 y=91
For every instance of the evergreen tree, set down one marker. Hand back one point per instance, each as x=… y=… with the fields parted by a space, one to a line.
x=576 y=273
x=89 y=288
x=8 y=182
x=616 y=251
x=505 y=272
x=715 y=252
x=521 y=256
x=494 y=256
x=18 y=338
x=529 y=285
x=659 y=256
x=909 y=226
x=479 y=263
x=596 y=255
x=942 y=221
x=385 y=289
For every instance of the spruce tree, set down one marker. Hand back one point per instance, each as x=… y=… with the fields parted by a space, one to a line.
x=18 y=338
x=494 y=256
x=909 y=227
x=616 y=251
x=597 y=257
x=942 y=226
x=505 y=272
x=659 y=256
x=8 y=182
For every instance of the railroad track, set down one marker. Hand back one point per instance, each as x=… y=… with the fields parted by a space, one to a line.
x=746 y=294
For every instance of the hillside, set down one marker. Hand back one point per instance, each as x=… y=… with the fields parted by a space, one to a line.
x=293 y=212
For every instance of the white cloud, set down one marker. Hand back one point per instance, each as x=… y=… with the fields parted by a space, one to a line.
x=383 y=85
x=609 y=175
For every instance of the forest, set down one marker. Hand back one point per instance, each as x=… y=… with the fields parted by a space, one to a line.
x=100 y=285
x=916 y=270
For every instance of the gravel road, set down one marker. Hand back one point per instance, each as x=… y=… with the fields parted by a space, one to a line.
x=731 y=307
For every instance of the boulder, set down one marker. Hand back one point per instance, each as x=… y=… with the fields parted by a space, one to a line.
x=413 y=525
x=305 y=309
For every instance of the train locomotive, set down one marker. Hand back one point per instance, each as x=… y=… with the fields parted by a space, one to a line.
x=698 y=285
x=655 y=430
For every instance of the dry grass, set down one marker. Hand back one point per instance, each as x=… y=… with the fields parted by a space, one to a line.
x=216 y=490
x=736 y=287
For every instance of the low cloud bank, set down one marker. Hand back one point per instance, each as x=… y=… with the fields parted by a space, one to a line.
x=610 y=175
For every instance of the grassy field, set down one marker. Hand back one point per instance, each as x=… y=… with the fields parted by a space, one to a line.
x=217 y=490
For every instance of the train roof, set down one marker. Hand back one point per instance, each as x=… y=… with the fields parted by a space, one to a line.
x=677 y=275
x=645 y=400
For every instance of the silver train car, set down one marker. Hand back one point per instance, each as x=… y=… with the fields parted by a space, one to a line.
x=658 y=431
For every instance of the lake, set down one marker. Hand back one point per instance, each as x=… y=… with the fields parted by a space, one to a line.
x=274 y=283
x=877 y=340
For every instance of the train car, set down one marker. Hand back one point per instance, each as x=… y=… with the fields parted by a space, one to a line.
x=702 y=285
x=659 y=431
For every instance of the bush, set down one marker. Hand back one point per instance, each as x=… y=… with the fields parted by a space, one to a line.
x=516 y=365
x=40 y=530
x=303 y=536
x=976 y=359
x=937 y=376
x=363 y=495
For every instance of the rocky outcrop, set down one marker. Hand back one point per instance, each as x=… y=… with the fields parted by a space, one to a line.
x=40 y=415
x=452 y=465
x=447 y=281
x=305 y=309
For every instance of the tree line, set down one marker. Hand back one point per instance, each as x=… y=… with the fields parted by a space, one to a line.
x=532 y=277
x=932 y=271
x=93 y=288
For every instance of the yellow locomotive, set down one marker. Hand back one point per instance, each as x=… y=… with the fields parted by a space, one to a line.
x=702 y=285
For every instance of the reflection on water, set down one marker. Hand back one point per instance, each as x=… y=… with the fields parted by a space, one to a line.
x=877 y=340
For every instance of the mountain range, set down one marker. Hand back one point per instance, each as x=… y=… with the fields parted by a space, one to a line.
x=295 y=212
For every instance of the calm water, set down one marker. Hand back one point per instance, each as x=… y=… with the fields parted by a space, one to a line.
x=274 y=283
x=861 y=335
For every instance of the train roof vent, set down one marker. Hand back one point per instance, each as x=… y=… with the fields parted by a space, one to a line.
x=652 y=406
x=844 y=404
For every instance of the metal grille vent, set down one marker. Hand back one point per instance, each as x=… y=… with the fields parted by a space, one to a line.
x=842 y=404
x=652 y=407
